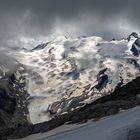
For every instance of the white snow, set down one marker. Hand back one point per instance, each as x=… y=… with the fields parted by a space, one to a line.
x=66 y=66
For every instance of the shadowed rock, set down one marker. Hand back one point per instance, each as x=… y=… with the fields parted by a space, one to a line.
x=133 y=34
x=40 y=47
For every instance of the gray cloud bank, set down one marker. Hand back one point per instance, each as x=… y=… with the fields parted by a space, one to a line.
x=21 y=19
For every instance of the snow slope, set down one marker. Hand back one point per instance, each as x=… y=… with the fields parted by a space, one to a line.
x=64 y=74
x=123 y=126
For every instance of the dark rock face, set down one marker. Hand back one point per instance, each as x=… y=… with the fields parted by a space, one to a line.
x=134 y=34
x=13 y=108
x=7 y=103
x=102 y=82
x=40 y=47
x=134 y=62
x=136 y=47
x=137 y=42
x=135 y=51
x=123 y=98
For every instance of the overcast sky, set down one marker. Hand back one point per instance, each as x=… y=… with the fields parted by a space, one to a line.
x=32 y=19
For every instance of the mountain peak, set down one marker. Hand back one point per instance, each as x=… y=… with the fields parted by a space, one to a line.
x=133 y=36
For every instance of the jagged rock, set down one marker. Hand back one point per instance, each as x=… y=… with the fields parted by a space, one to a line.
x=13 y=107
x=136 y=47
x=133 y=34
x=135 y=51
x=137 y=42
x=40 y=47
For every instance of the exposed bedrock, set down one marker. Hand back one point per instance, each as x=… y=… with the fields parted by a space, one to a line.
x=13 y=95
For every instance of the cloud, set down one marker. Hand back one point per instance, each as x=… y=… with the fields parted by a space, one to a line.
x=40 y=18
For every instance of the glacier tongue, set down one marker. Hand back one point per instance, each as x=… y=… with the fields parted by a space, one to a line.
x=68 y=73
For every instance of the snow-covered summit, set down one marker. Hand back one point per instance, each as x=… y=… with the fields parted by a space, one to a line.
x=65 y=74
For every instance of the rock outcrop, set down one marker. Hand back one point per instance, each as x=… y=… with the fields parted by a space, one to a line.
x=13 y=105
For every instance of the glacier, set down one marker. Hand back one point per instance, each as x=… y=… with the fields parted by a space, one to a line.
x=65 y=74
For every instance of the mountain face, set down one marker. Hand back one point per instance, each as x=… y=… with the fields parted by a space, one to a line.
x=67 y=80
x=66 y=74
x=13 y=95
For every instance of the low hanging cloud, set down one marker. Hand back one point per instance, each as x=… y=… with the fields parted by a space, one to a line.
x=33 y=19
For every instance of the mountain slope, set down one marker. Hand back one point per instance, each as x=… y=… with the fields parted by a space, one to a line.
x=123 y=126
x=65 y=74
x=68 y=80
